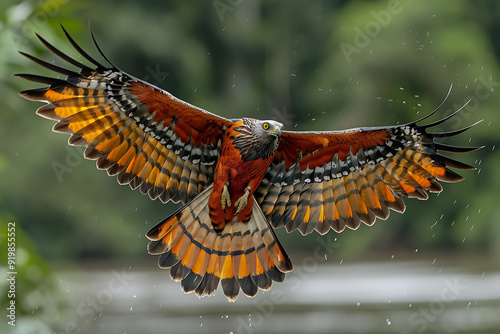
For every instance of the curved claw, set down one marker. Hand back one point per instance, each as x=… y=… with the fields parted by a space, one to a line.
x=242 y=201
x=225 y=198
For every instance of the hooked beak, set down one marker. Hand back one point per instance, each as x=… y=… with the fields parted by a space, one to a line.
x=276 y=132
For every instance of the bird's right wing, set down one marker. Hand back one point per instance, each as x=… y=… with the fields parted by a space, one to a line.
x=141 y=133
x=323 y=180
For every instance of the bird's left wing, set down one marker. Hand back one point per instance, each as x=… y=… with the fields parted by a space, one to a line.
x=141 y=133
x=323 y=180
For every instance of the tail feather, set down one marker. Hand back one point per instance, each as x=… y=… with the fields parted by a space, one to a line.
x=184 y=267
x=244 y=255
x=194 y=278
x=211 y=275
x=240 y=268
x=257 y=274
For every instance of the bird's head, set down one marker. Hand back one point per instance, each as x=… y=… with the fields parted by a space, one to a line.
x=269 y=128
x=257 y=138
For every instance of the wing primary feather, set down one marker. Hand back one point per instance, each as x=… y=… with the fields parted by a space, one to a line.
x=41 y=79
x=445 y=118
x=455 y=149
x=437 y=108
x=455 y=164
x=453 y=133
x=49 y=66
x=81 y=51
x=99 y=49
x=64 y=56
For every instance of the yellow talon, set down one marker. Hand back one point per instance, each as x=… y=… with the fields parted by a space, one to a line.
x=242 y=201
x=225 y=197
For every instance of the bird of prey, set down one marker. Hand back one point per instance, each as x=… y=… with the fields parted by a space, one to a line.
x=237 y=179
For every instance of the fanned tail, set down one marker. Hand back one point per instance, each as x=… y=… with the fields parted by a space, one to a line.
x=244 y=255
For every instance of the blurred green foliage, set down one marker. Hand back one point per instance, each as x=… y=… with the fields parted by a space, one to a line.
x=314 y=65
x=39 y=301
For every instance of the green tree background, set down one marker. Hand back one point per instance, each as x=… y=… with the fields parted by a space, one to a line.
x=313 y=65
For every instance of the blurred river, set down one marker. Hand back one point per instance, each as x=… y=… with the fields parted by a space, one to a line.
x=393 y=297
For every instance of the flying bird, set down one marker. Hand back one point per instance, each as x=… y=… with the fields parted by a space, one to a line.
x=237 y=179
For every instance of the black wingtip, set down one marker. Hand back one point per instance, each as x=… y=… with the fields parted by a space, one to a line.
x=47 y=65
x=444 y=119
x=39 y=79
x=456 y=149
x=99 y=49
x=80 y=50
x=62 y=55
x=437 y=108
x=454 y=133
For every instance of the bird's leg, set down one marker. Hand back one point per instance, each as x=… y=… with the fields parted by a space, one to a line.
x=242 y=201
x=225 y=197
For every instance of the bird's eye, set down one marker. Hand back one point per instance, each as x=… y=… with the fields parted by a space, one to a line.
x=265 y=126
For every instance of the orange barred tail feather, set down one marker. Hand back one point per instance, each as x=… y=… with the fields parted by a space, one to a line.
x=244 y=255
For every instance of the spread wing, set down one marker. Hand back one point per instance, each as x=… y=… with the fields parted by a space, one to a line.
x=144 y=135
x=323 y=180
